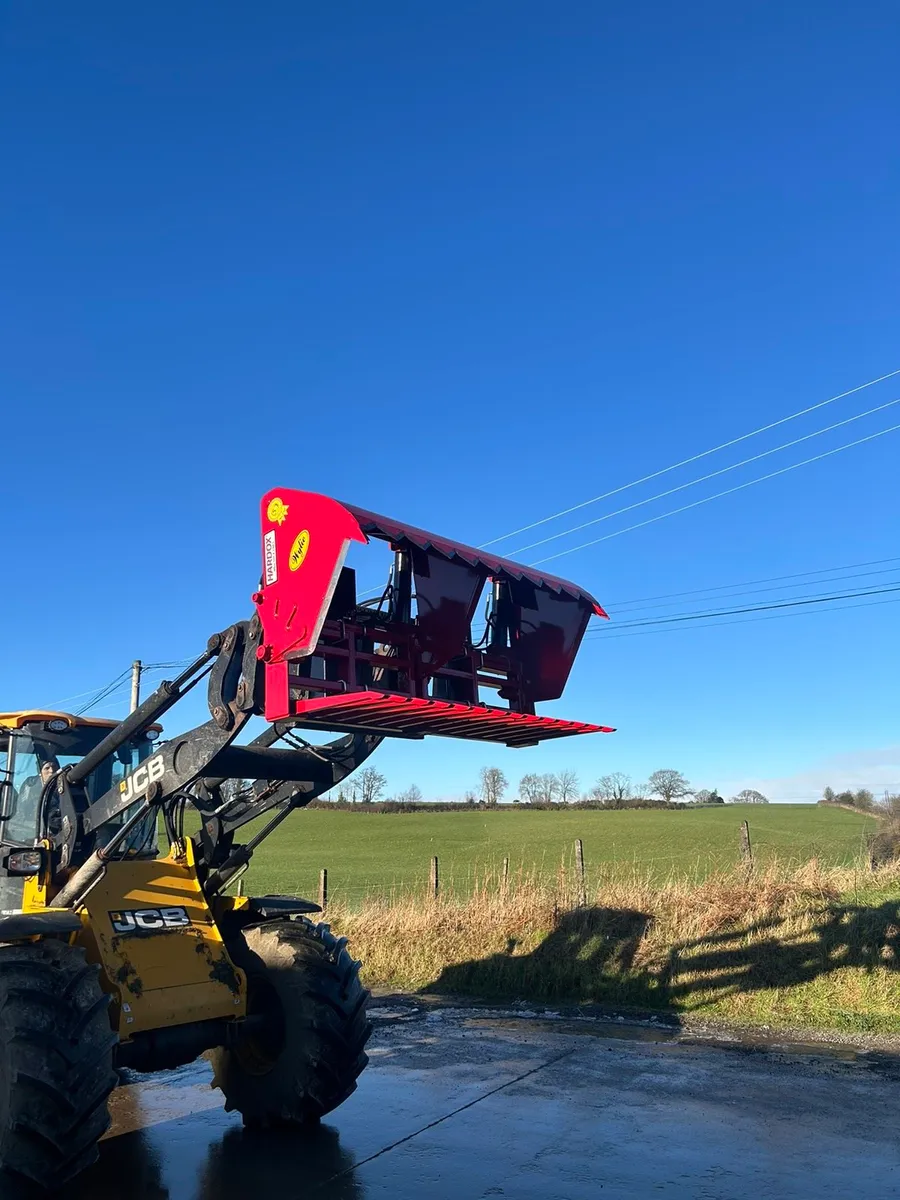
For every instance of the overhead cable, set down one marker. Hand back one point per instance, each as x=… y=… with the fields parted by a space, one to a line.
x=746 y=620
x=694 y=458
x=717 y=495
x=875 y=562
x=704 y=478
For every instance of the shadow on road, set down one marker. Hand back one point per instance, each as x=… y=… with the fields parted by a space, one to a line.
x=281 y=1162
x=166 y=1161
x=592 y=956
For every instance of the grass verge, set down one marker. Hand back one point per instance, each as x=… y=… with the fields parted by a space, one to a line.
x=813 y=946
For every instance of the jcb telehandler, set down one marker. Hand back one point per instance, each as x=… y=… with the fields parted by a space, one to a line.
x=116 y=954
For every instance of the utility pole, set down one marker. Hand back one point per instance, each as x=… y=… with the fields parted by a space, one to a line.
x=135 y=684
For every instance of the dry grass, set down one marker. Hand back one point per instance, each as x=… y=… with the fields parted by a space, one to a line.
x=812 y=946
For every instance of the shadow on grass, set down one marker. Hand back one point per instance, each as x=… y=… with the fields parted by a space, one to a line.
x=756 y=957
x=589 y=956
x=592 y=956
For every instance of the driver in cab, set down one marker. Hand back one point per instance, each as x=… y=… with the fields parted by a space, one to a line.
x=34 y=785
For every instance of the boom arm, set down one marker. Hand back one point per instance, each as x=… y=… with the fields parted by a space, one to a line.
x=201 y=760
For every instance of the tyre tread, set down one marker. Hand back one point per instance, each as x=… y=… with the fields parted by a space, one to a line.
x=56 y=1049
x=324 y=1003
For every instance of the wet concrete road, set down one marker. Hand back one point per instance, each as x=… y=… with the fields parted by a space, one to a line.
x=466 y=1105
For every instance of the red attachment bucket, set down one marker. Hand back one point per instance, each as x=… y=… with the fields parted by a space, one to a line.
x=407 y=665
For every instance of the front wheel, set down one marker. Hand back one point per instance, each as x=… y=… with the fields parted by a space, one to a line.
x=307 y=1056
x=56 y=1063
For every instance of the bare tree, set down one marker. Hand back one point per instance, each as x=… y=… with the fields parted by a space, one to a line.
x=543 y=789
x=669 y=785
x=493 y=784
x=548 y=788
x=530 y=789
x=567 y=786
x=351 y=789
x=612 y=789
x=412 y=795
x=749 y=796
x=371 y=784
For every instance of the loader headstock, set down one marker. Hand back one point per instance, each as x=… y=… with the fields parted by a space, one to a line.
x=407 y=664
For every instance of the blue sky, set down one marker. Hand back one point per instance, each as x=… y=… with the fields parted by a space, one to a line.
x=467 y=265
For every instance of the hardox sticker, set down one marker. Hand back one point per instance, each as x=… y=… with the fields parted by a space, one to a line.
x=270 y=558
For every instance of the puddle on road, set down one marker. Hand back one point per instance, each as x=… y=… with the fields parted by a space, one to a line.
x=658 y=1031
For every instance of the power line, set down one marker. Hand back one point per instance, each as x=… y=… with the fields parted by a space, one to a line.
x=78 y=695
x=148 y=667
x=703 y=478
x=730 y=612
x=120 y=683
x=875 y=562
x=104 y=692
x=717 y=495
x=615 y=610
x=694 y=458
x=807 y=612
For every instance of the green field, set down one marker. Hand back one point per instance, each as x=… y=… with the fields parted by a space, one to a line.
x=373 y=853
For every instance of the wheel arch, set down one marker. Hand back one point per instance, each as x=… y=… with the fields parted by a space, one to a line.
x=49 y=922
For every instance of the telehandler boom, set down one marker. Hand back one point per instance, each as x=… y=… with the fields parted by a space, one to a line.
x=114 y=953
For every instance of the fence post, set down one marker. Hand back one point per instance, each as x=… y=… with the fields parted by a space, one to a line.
x=435 y=878
x=746 y=848
x=323 y=889
x=579 y=871
x=506 y=872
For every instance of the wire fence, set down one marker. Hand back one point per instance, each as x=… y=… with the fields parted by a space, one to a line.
x=456 y=876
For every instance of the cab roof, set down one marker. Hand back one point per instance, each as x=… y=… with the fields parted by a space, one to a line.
x=30 y=716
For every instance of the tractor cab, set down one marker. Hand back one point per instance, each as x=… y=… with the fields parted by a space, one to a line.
x=34 y=746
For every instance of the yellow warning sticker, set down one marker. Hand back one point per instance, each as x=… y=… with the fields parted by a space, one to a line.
x=277 y=510
x=298 y=550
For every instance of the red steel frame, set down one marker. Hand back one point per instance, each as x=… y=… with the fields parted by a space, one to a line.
x=361 y=670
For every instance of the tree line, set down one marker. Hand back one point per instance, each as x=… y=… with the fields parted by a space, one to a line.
x=862 y=798
x=665 y=787
x=884 y=841
x=615 y=790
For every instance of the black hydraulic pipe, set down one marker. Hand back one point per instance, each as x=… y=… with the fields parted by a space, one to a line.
x=241 y=855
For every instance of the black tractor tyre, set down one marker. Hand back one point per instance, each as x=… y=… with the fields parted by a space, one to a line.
x=56 y=1064
x=312 y=1050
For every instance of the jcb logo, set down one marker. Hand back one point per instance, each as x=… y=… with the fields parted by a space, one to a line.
x=147 y=921
x=138 y=781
